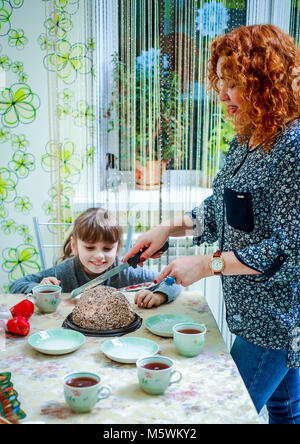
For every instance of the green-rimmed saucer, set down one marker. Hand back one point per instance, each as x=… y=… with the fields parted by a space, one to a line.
x=129 y=350
x=162 y=325
x=57 y=341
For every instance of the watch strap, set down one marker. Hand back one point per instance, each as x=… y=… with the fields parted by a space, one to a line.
x=216 y=254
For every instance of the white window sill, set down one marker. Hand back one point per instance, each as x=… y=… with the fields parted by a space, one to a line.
x=180 y=192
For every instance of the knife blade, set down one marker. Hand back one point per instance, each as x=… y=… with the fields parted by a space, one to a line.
x=132 y=262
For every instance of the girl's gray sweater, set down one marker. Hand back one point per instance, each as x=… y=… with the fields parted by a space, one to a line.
x=71 y=275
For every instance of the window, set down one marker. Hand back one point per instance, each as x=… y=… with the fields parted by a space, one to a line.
x=152 y=93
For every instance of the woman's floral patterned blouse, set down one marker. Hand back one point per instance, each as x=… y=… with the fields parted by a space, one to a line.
x=255 y=212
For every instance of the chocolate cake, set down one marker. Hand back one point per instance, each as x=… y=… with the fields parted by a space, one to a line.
x=102 y=308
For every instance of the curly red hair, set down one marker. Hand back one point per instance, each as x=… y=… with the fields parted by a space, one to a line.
x=265 y=64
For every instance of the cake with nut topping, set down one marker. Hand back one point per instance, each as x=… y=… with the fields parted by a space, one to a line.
x=102 y=308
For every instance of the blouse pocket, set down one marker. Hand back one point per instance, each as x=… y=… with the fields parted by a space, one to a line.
x=239 y=210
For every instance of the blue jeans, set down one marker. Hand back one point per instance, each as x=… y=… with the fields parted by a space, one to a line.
x=269 y=381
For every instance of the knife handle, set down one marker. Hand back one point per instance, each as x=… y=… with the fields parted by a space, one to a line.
x=134 y=260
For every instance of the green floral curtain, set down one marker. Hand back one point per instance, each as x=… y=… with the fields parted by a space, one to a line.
x=48 y=123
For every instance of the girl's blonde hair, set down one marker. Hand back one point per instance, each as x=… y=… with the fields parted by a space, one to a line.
x=94 y=225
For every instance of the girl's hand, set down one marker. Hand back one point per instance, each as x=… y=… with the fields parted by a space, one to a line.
x=187 y=270
x=152 y=240
x=147 y=299
x=51 y=280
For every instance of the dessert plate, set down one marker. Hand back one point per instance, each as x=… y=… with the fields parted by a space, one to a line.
x=129 y=350
x=162 y=325
x=56 y=342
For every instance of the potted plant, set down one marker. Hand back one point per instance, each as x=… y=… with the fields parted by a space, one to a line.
x=146 y=117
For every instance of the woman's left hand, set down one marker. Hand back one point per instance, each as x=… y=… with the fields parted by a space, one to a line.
x=187 y=270
x=147 y=299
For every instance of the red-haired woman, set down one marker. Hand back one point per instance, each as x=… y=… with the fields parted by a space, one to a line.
x=254 y=215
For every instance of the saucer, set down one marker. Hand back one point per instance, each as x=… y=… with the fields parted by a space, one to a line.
x=129 y=350
x=56 y=342
x=162 y=325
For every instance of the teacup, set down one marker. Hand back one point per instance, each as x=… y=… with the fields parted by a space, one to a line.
x=83 y=390
x=46 y=297
x=189 y=338
x=155 y=374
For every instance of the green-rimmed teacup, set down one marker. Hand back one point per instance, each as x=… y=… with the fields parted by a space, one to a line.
x=155 y=374
x=46 y=297
x=189 y=338
x=82 y=398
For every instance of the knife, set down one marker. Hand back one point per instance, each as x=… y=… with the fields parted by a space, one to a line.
x=132 y=262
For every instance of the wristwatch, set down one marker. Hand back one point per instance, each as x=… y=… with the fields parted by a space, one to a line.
x=216 y=263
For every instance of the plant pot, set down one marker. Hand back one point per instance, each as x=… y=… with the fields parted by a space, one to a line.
x=147 y=177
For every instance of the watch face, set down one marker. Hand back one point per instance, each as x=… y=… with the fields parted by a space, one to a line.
x=217 y=264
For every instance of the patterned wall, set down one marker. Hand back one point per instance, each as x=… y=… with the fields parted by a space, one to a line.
x=47 y=120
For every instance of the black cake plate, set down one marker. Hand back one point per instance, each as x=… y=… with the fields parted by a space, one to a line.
x=135 y=325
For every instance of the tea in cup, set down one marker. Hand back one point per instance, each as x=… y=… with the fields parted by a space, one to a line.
x=46 y=297
x=83 y=390
x=189 y=338
x=155 y=374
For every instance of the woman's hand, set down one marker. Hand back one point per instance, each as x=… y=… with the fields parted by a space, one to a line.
x=155 y=238
x=152 y=241
x=51 y=280
x=147 y=299
x=187 y=270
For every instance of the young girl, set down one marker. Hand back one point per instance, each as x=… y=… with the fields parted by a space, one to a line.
x=92 y=249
